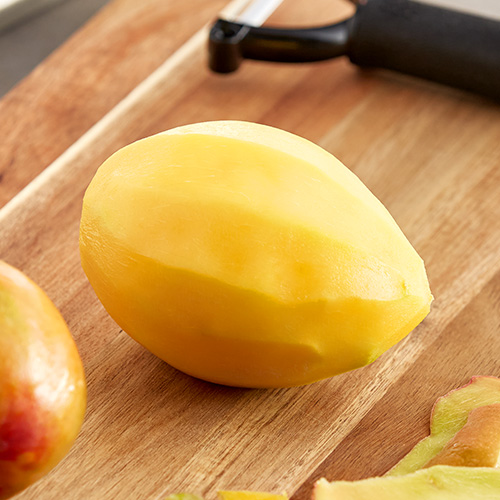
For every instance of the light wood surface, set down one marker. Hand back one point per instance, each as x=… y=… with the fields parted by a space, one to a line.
x=432 y=156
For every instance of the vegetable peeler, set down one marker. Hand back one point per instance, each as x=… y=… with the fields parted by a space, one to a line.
x=449 y=46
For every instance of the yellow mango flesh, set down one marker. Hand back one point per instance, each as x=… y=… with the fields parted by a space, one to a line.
x=232 y=495
x=435 y=483
x=42 y=385
x=247 y=256
x=250 y=495
x=456 y=438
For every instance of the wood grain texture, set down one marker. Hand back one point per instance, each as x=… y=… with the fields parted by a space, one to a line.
x=429 y=153
x=87 y=77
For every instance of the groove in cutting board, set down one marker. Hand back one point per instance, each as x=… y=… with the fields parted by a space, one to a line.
x=149 y=87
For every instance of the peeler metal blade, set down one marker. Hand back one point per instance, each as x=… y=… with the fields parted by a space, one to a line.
x=257 y=12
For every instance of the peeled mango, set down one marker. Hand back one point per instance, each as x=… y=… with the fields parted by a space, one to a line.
x=247 y=256
x=42 y=384
x=465 y=430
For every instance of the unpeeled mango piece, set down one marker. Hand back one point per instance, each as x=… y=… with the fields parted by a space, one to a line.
x=42 y=383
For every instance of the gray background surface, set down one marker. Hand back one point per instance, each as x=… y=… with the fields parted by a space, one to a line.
x=26 y=44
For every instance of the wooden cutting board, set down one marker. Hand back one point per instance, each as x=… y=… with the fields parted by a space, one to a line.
x=431 y=155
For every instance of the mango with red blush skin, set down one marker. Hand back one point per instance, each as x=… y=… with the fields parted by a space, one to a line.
x=42 y=384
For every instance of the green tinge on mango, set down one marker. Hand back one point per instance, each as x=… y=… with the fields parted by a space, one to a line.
x=247 y=256
x=449 y=416
x=441 y=482
x=476 y=444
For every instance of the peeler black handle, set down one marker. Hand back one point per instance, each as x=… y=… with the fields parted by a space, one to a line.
x=443 y=45
x=439 y=44
x=230 y=43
